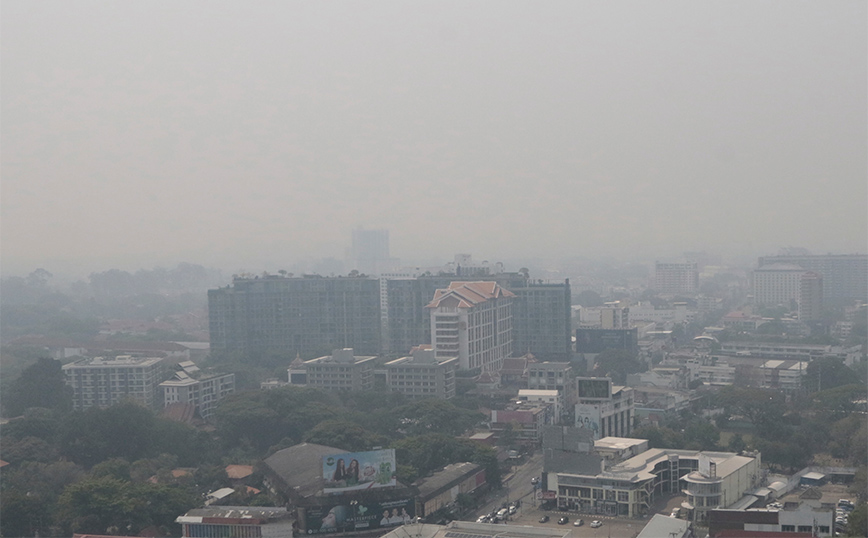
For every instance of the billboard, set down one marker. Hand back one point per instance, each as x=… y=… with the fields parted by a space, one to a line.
x=599 y=340
x=588 y=416
x=353 y=471
x=356 y=516
x=595 y=387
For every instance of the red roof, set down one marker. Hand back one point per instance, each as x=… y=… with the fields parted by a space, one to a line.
x=469 y=294
x=236 y=472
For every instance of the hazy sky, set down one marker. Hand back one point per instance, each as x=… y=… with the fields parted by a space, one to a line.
x=244 y=133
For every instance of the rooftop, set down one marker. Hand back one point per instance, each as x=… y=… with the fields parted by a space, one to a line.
x=341 y=356
x=433 y=484
x=466 y=529
x=254 y=514
x=300 y=466
x=468 y=294
x=119 y=361
x=661 y=525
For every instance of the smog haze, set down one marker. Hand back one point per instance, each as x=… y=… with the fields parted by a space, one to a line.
x=251 y=134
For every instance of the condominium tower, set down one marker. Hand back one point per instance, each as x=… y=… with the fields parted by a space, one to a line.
x=307 y=315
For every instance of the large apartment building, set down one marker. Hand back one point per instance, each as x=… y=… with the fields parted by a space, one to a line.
x=777 y=284
x=309 y=315
x=845 y=276
x=472 y=321
x=541 y=312
x=312 y=315
x=676 y=277
x=105 y=381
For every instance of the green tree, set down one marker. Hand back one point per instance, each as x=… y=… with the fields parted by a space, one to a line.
x=115 y=467
x=660 y=437
x=24 y=515
x=106 y=505
x=124 y=431
x=838 y=400
x=344 y=434
x=588 y=299
x=857 y=523
x=40 y=385
x=617 y=364
x=30 y=494
x=701 y=435
x=263 y=418
x=440 y=416
x=763 y=408
x=736 y=443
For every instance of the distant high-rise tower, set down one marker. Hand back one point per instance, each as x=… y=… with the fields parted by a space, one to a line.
x=673 y=278
x=369 y=252
x=810 y=296
x=777 y=284
x=845 y=276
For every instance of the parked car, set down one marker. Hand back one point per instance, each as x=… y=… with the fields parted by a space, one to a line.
x=534 y=480
x=596 y=524
x=544 y=519
x=563 y=520
x=512 y=510
x=578 y=522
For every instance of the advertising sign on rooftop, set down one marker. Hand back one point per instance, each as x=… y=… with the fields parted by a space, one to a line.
x=352 y=471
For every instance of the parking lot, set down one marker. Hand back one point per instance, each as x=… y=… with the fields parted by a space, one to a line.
x=612 y=527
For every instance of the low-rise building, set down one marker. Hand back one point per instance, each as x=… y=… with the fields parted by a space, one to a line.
x=783 y=350
x=662 y=526
x=557 y=376
x=548 y=397
x=584 y=482
x=105 y=381
x=341 y=370
x=242 y=521
x=616 y=449
x=719 y=374
x=422 y=374
x=793 y=518
x=202 y=390
x=468 y=529
x=443 y=487
x=524 y=421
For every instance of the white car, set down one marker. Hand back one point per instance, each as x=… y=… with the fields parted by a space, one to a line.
x=596 y=524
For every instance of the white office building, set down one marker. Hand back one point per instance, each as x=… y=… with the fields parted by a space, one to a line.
x=472 y=321
x=105 y=381
x=190 y=385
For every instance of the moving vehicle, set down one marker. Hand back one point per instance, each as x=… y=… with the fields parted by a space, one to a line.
x=596 y=524
x=534 y=480
x=578 y=522
x=544 y=519
x=563 y=520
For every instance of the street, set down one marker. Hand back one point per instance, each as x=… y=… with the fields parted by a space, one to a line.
x=518 y=486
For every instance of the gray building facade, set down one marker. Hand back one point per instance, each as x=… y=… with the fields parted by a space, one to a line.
x=845 y=276
x=310 y=315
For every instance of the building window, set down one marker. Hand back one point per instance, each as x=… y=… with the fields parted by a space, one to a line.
x=788 y=528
